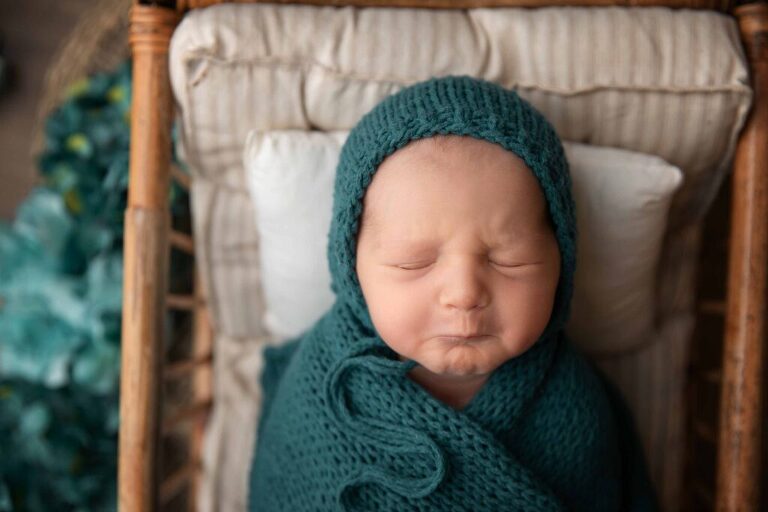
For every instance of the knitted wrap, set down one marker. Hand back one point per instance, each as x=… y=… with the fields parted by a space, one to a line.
x=342 y=427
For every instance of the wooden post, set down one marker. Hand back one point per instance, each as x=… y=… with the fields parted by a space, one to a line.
x=145 y=258
x=741 y=410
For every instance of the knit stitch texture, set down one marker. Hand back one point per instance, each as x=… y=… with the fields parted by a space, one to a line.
x=342 y=427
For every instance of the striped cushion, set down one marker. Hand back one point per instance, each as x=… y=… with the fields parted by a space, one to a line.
x=653 y=80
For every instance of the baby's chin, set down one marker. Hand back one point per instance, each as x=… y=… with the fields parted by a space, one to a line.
x=461 y=361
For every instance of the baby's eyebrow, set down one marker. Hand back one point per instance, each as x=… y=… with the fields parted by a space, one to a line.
x=414 y=245
x=515 y=236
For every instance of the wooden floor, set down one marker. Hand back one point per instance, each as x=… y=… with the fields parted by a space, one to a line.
x=31 y=32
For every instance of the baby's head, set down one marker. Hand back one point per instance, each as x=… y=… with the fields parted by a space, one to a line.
x=453 y=217
x=456 y=242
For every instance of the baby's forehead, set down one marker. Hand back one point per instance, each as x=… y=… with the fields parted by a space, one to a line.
x=450 y=164
x=446 y=173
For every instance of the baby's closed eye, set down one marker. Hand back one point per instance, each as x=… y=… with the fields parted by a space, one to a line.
x=494 y=262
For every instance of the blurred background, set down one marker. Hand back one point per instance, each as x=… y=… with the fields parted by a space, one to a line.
x=28 y=49
x=65 y=89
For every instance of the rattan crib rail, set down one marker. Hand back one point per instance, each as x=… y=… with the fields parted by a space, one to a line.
x=149 y=238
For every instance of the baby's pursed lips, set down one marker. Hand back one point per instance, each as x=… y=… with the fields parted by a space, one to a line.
x=461 y=337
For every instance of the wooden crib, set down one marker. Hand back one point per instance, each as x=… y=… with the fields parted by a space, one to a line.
x=152 y=313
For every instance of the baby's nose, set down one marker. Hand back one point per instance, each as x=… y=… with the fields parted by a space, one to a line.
x=465 y=287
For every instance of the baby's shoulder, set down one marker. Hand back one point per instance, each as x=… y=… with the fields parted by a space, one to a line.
x=577 y=389
x=276 y=358
x=573 y=420
x=573 y=407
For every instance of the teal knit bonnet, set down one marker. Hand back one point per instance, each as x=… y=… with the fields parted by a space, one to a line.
x=458 y=105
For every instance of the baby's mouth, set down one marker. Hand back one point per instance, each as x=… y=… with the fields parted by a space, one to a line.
x=453 y=338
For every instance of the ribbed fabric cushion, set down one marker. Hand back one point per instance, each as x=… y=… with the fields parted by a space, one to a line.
x=654 y=80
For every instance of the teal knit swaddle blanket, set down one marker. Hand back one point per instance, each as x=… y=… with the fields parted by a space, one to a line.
x=343 y=428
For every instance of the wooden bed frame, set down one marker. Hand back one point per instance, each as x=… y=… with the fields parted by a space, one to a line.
x=145 y=418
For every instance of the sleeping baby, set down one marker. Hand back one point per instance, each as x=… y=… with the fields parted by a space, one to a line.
x=441 y=378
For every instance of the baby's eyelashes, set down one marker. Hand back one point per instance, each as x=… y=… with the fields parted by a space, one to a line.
x=414 y=267
x=508 y=265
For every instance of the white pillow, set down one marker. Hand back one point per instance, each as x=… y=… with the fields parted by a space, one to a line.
x=622 y=199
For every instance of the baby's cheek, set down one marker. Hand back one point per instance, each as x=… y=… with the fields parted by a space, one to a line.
x=524 y=313
x=399 y=321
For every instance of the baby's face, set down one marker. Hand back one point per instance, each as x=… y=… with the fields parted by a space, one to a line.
x=455 y=242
